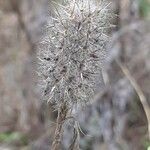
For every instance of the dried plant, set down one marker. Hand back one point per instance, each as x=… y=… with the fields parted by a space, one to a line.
x=72 y=55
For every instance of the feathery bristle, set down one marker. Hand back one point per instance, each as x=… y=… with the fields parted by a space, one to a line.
x=73 y=51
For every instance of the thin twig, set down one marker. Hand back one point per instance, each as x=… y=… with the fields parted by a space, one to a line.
x=138 y=90
x=62 y=115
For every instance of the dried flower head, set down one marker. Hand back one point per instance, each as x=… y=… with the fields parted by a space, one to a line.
x=73 y=51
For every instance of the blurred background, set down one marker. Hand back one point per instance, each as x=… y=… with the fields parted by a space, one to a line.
x=119 y=120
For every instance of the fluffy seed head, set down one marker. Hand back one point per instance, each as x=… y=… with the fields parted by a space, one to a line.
x=72 y=53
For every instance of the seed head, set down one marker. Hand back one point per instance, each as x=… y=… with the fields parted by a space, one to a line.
x=73 y=51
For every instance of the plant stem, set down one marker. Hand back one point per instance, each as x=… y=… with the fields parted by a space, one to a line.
x=62 y=113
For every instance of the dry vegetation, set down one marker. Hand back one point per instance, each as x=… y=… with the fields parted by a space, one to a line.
x=119 y=119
